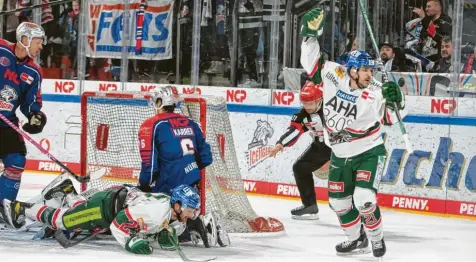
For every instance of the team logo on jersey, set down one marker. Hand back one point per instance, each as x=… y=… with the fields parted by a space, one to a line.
x=258 y=149
x=340 y=71
x=4 y=61
x=7 y=96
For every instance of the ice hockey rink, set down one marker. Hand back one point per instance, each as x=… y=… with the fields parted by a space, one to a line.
x=409 y=237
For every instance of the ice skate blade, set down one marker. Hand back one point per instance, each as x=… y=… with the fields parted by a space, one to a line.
x=306 y=217
x=359 y=251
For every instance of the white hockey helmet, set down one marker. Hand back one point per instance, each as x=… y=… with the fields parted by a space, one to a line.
x=30 y=31
x=167 y=94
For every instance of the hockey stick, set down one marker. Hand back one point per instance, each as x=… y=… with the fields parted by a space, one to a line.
x=80 y=179
x=182 y=254
x=408 y=144
x=67 y=243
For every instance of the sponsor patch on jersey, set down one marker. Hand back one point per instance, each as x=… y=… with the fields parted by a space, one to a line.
x=347 y=97
x=340 y=72
x=190 y=167
x=185 y=131
x=4 y=61
x=332 y=78
x=336 y=187
x=363 y=175
x=26 y=78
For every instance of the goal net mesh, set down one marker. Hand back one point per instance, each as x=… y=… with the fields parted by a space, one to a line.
x=109 y=144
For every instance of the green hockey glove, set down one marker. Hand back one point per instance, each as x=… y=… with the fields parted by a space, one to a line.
x=138 y=245
x=167 y=239
x=312 y=23
x=392 y=94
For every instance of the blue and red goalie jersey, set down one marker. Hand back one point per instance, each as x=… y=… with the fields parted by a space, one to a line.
x=20 y=85
x=173 y=151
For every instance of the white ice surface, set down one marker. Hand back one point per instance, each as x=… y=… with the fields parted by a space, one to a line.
x=408 y=237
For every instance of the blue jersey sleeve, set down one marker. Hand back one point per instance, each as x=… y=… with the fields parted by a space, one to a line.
x=33 y=100
x=148 y=153
x=203 y=155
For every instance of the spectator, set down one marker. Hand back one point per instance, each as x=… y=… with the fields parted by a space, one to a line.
x=443 y=65
x=250 y=22
x=435 y=25
x=352 y=46
x=69 y=22
x=387 y=55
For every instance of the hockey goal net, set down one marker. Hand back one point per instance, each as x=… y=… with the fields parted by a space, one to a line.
x=109 y=144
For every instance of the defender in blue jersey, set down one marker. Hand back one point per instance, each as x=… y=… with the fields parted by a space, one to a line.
x=20 y=87
x=173 y=151
x=172 y=147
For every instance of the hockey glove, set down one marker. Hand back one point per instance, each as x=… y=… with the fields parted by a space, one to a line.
x=36 y=122
x=392 y=94
x=167 y=239
x=137 y=245
x=312 y=23
x=145 y=188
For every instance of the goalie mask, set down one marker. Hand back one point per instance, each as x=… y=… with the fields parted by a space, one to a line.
x=168 y=96
x=30 y=31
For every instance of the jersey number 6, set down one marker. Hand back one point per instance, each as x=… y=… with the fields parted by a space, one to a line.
x=187 y=146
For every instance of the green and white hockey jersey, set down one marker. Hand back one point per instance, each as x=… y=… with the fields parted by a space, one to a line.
x=146 y=213
x=353 y=118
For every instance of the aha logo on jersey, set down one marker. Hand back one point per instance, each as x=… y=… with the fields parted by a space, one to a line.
x=7 y=96
x=258 y=149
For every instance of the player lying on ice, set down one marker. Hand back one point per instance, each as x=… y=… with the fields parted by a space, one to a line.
x=139 y=221
x=355 y=108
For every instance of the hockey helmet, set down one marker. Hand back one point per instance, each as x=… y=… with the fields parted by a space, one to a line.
x=167 y=94
x=358 y=59
x=30 y=31
x=187 y=196
x=310 y=92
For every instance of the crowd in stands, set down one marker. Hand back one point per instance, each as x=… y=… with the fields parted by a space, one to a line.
x=428 y=43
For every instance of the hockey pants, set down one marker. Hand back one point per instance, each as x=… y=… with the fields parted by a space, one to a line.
x=315 y=156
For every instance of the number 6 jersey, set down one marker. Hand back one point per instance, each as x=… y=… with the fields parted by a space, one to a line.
x=173 y=150
x=353 y=118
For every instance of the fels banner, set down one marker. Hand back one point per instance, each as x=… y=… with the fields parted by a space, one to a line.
x=149 y=27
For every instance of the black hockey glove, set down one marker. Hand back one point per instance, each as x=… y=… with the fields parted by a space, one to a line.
x=36 y=122
x=145 y=188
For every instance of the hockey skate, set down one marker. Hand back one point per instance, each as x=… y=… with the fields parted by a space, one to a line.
x=13 y=213
x=305 y=213
x=358 y=246
x=378 y=248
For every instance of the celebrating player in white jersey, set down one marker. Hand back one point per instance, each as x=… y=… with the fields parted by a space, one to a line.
x=355 y=108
